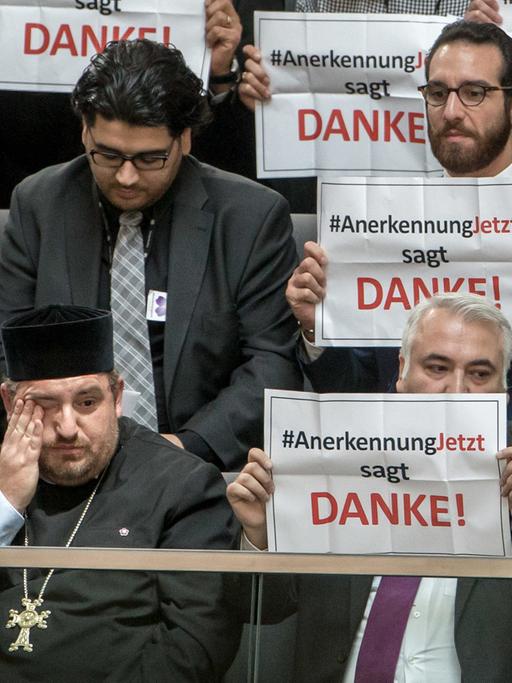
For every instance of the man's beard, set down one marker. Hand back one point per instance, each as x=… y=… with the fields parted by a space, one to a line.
x=457 y=159
x=65 y=472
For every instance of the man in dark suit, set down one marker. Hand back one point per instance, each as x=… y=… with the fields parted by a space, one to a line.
x=39 y=129
x=458 y=629
x=73 y=472
x=217 y=252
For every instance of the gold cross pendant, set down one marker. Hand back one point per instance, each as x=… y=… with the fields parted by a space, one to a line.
x=25 y=620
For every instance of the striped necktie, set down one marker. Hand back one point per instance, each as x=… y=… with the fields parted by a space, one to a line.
x=128 y=303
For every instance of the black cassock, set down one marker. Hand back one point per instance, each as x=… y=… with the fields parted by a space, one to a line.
x=128 y=626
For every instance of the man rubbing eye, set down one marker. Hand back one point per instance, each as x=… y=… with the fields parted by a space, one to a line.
x=75 y=473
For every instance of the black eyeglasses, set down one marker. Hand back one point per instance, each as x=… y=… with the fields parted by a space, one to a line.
x=470 y=94
x=143 y=161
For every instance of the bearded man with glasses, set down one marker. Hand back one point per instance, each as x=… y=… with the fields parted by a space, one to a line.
x=468 y=97
x=192 y=261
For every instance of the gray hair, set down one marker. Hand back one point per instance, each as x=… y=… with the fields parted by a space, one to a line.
x=469 y=307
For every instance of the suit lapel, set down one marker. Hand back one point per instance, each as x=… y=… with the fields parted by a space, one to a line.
x=83 y=245
x=360 y=587
x=188 y=256
x=464 y=588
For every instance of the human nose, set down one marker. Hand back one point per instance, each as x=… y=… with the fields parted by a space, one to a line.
x=127 y=174
x=453 y=109
x=457 y=383
x=65 y=423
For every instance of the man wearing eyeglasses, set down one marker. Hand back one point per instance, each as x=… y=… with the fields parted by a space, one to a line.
x=468 y=97
x=192 y=261
x=468 y=102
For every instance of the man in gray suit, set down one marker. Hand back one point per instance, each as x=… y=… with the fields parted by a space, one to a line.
x=215 y=329
x=458 y=629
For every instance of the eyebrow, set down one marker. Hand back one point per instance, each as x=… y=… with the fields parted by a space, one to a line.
x=41 y=396
x=444 y=359
x=476 y=81
x=435 y=356
x=483 y=361
x=105 y=148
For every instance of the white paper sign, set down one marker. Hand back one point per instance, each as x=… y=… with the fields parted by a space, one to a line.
x=46 y=44
x=393 y=242
x=505 y=9
x=344 y=101
x=367 y=473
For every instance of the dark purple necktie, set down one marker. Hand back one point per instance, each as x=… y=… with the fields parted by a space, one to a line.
x=385 y=628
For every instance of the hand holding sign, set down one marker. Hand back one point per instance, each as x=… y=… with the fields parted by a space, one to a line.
x=306 y=287
x=248 y=495
x=255 y=81
x=483 y=11
x=506 y=475
x=223 y=33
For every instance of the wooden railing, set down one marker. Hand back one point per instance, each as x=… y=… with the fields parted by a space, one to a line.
x=252 y=562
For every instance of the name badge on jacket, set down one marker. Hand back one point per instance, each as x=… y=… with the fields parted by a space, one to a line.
x=156 y=306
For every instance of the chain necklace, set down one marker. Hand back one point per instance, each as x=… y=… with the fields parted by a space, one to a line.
x=29 y=617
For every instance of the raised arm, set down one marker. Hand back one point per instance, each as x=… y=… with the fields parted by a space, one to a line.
x=223 y=33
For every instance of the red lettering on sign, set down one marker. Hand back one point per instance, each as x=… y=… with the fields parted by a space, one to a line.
x=352 y=500
x=38 y=39
x=436 y=510
x=411 y=510
x=396 y=509
x=28 y=47
x=91 y=42
x=355 y=125
x=336 y=126
x=317 y=122
x=372 y=294
x=316 y=496
x=371 y=129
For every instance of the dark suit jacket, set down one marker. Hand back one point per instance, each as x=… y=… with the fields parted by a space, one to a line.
x=330 y=609
x=120 y=626
x=354 y=370
x=229 y=332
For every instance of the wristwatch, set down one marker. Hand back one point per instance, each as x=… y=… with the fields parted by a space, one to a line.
x=233 y=75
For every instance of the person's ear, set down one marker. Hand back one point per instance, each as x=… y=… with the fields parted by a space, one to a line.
x=400 y=381
x=118 y=396
x=186 y=141
x=7 y=399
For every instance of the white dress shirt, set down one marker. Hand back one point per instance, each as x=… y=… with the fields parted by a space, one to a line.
x=10 y=521
x=427 y=654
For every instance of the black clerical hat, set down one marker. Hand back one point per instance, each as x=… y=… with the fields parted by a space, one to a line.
x=58 y=341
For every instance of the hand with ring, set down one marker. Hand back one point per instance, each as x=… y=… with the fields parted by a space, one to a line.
x=255 y=85
x=223 y=33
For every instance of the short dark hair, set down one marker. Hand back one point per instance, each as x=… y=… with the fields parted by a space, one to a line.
x=142 y=83
x=476 y=34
